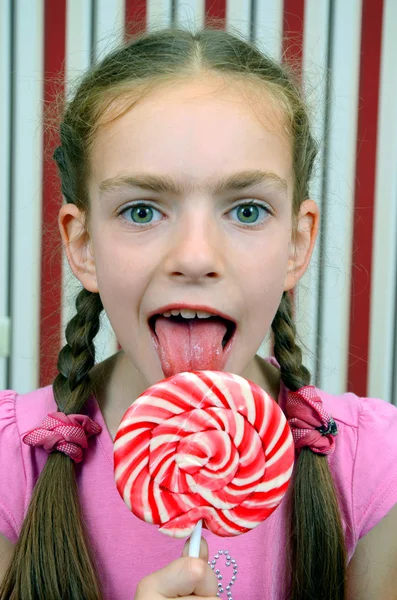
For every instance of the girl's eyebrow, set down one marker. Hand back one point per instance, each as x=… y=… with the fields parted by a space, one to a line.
x=164 y=183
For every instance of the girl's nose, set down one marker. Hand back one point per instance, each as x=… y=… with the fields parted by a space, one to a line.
x=196 y=252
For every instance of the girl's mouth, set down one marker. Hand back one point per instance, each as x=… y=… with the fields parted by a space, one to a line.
x=189 y=340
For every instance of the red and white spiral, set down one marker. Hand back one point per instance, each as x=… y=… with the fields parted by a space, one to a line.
x=203 y=445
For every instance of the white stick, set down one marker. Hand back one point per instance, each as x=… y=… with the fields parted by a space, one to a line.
x=194 y=543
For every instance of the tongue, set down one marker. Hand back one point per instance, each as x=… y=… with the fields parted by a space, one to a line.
x=194 y=345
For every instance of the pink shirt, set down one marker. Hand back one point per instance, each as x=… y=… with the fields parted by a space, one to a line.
x=364 y=467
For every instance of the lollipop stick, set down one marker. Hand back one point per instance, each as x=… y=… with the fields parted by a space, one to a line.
x=194 y=544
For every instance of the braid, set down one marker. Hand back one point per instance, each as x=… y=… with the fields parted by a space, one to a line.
x=52 y=558
x=288 y=354
x=72 y=385
x=317 y=547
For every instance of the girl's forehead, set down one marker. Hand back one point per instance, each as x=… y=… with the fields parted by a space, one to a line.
x=259 y=96
x=193 y=128
x=213 y=95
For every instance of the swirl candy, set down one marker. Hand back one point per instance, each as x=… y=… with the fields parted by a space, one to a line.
x=203 y=445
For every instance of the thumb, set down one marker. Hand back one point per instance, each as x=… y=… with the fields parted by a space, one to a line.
x=203 y=549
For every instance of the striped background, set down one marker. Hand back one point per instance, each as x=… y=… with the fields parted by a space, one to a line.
x=346 y=304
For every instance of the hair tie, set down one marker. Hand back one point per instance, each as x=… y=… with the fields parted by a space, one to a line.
x=65 y=433
x=310 y=424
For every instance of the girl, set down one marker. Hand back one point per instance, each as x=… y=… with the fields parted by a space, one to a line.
x=185 y=162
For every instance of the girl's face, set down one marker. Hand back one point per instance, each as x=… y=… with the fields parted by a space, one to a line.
x=183 y=242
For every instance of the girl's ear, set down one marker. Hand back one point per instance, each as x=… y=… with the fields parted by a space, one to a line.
x=77 y=246
x=302 y=243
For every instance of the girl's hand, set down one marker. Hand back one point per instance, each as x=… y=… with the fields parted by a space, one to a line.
x=184 y=578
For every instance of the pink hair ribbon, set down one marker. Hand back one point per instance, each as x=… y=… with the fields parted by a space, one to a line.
x=65 y=433
x=310 y=424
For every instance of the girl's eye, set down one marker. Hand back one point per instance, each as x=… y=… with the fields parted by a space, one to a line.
x=141 y=214
x=250 y=214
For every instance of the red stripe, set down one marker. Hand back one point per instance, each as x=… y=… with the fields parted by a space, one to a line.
x=215 y=9
x=135 y=17
x=51 y=263
x=294 y=14
x=152 y=501
x=371 y=39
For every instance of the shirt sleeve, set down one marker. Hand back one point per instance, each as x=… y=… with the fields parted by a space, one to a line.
x=11 y=464
x=375 y=469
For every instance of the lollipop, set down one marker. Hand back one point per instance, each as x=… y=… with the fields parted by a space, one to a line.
x=205 y=445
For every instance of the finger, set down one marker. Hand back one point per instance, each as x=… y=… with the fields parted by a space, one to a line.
x=183 y=577
x=203 y=549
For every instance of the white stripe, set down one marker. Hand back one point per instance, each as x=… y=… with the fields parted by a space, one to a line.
x=224 y=469
x=277 y=435
x=144 y=492
x=314 y=79
x=186 y=397
x=108 y=26
x=240 y=522
x=269 y=28
x=384 y=268
x=27 y=194
x=177 y=532
x=250 y=403
x=243 y=481
x=267 y=414
x=77 y=60
x=218 y=503
x=124 y=465
x=164 y=468
x=340 y=200
x=131 y=480
x=159 y=403
x=78 y=41
x=238 y=17
x=239 y=425
x=246 y=490
x=190 y=14
x=158 y=14
x=5 y=164
x=127 y=437
x=254 y=450
x=208 y=393
x=223 y=386
x=165 y=439
x=267 y=486
x=288 y=442
x=158 y=498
